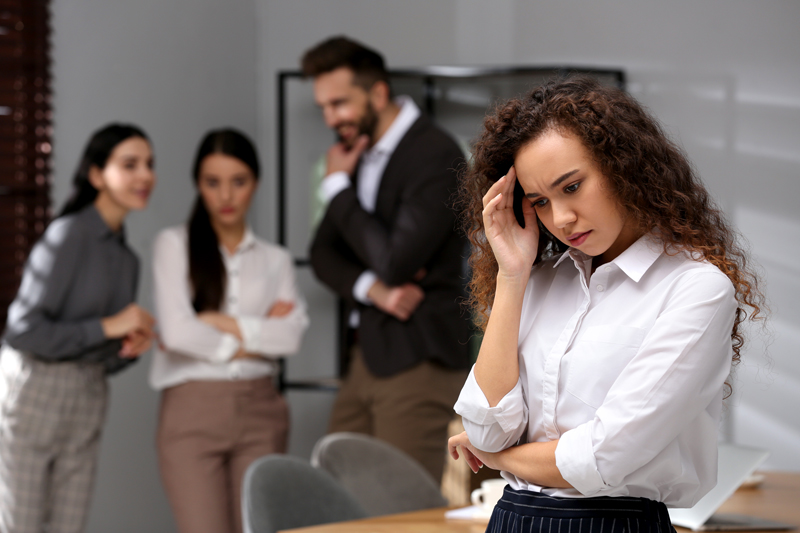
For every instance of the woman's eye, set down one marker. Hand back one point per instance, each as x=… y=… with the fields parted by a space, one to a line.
x=540 y=203
x=572 y=187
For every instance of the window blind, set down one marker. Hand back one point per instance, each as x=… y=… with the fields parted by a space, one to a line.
x=25 y=136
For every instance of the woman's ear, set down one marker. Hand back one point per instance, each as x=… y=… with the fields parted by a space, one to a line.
x=96 y=177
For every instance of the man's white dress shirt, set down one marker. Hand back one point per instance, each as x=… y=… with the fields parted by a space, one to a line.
x=258 y=275
x=626 y=367
x=373 y=163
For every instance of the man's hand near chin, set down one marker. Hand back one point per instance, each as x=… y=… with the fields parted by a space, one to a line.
x=342 y=158
x=400 y=301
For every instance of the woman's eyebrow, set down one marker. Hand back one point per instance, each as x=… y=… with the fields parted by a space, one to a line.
x=555 y=184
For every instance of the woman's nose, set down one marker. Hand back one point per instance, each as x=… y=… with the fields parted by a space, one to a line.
x=563 y=214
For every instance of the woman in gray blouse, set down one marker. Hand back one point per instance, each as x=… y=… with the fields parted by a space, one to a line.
x=72 y=322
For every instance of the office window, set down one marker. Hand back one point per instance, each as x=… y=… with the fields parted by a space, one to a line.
x=25 y=136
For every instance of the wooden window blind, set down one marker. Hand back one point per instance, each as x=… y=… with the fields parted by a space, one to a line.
x=25 y=136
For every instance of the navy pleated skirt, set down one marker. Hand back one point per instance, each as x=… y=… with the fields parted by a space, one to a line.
x=521 y=511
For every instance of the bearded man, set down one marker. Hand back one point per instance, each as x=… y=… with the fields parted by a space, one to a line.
x=388 y=245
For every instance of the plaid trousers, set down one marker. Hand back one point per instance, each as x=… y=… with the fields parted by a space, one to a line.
x=51 y=417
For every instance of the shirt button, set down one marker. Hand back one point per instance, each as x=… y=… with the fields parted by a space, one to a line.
x=600 y=288
x=232 y=300
x=234 y=273
x=608 y=269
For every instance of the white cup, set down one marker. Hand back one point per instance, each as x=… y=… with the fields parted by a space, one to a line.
x=488 y=493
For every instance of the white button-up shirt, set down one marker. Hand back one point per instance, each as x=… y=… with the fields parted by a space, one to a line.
x=258 y=275
x=626 y=367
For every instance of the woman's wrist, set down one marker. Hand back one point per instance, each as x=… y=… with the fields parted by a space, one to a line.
x=511 y=284
x=109 y=330
x=221 y=322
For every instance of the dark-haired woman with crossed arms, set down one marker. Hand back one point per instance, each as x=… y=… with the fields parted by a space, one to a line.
x=613 y=293
x=74 y=321
x=227 y=305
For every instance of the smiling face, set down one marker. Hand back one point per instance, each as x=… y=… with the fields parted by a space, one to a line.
x=127 y=179
x=226 y=185
x=346 y=107
x=571 y=196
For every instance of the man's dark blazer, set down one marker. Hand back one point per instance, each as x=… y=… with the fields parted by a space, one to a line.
x=413 y=227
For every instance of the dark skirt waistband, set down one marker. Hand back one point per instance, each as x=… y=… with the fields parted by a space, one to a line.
x=522 y=510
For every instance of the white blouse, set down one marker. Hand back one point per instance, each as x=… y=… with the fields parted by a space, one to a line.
x=626 y=367
x=258 y=275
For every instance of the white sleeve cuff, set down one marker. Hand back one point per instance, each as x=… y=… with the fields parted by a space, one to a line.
x=472 y=405
x=333 y=184
x=576 y=462
x=362 y=286
x=250 y=327
x=227 y=348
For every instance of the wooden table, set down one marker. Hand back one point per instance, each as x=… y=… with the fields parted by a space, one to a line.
x=778 y=498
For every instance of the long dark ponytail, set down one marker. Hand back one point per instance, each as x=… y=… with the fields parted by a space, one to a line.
x=206 y=267
x=96 y=154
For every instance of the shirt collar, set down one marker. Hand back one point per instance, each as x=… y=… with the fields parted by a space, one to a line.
x=248 y=241
x=639 y=256
x=96 y=225
x=409 y=113
x=634 y=261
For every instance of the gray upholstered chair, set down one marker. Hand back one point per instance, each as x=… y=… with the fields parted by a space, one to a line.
x=281 y=492
x=382 y=478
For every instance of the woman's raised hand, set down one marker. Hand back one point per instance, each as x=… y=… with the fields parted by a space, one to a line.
x=132 y=319
x=134 y=344
x=514 y=247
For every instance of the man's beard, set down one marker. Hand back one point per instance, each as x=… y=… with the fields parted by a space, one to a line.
x=366 y=126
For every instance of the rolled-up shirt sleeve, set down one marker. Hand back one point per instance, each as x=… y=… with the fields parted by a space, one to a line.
x=180 y=329
x=492 y=428
x=678 y=371
x=276 y=336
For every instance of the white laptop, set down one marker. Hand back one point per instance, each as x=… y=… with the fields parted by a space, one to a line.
x=736 y=463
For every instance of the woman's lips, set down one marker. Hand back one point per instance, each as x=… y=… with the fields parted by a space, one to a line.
x=576 y=239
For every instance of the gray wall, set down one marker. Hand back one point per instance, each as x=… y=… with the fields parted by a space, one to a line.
x=723 y=76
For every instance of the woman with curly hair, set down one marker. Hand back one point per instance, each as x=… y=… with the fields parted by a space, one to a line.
x=611 y=292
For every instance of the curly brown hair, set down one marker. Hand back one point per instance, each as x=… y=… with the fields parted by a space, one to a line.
x=647 y=173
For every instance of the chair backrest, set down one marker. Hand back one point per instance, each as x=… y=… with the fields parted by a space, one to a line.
x=281 y=492
x=383 y=479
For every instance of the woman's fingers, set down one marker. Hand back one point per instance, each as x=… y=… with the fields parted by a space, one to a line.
x=509 y=183
x=280 y=308
x=452 y=447
x=529 y=214
x=496 y=188
x=462 y=440
x=474 y=463
x=490 y=209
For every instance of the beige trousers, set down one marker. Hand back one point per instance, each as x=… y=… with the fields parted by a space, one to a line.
x=208 y=434
x=410 y=410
